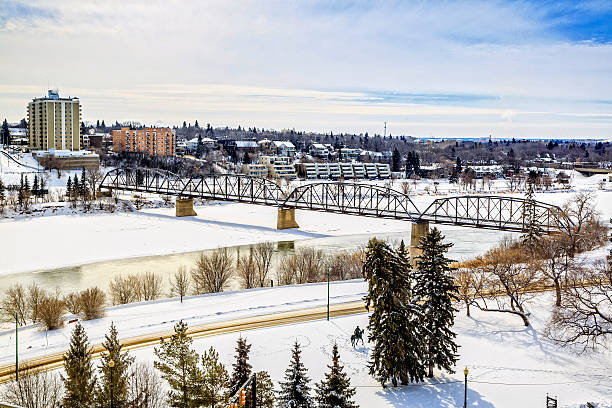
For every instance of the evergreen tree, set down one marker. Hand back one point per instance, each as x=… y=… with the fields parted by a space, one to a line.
x=26 y=184
x=458 y=166
x=42 y=187
x=79 y=380
x=69 y=188
x=5 y=135
x=177 y=363
x=393 y=326
x=196 y=124
x=84 y=189
x=2 y=196
x=76 y=186
x=184 y=124
x=200 y=147
x=103 y=125
x=242 y=368
x=266 y=398
x=246 y=159
x=213 y=388
x=437 y=290
x=113 y=378
x=532 y=231
x=295 y=390
x=335 y=391
x=396 y=160
x=35 y=186
x=98 y=123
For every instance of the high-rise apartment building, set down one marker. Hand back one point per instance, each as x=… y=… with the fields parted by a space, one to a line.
x=54 y=123
x=152 y=141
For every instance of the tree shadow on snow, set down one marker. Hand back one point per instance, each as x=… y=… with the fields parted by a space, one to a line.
x=429 y=394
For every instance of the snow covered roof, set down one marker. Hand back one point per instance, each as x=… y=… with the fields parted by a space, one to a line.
x=246 y=143
x=279 y=143
x=318 y=146
x=262 y=141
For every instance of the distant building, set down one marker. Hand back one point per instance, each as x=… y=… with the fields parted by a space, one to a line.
x=152 y=141
x=67 y=159
x=284 y=148
x=279 y=167
x=255 y=170
x=318 y=150
x=346 y=171
x=54 y=123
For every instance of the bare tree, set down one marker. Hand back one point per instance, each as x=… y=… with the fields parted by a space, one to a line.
x=34 y=389
x=149 y=286
x=124 y=289
x=580 y=215
x=286 y=274
x=585 y=315
x=346 y=265
x=263 y=261
x=94 y=177
x=309 y=265
x=35 y=296
x=212 y=272
x=72 y=302
x=554 y=260
x=91 y=303
x=179 y=283
x=247 y=270
x=469 y=283
x=14 y=304
x=507 y=275
x=145 y=389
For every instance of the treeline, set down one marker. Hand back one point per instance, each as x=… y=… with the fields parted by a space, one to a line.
x=180 y=377
x=211 y=273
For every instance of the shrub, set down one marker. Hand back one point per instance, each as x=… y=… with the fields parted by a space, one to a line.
x=15 y=302
x=72 y=302
x=91 y=303
x=124 y=289
x=212 y=272
x=50 y=310
x=149 y=286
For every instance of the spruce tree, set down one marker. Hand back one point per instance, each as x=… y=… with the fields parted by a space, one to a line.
x=242 y=368
x=437 y=290
x=213 y=383
x=84 y=189
x=532 y=231
x=266 y=398
x=35 y=186
x=295 y=390
x=113 y=378
x=69 y=188
x=177 y=363
x=396 y=160
x=79 y=380
x=76 y=187
x=5 y=134
x=393 y=326
x=335 y=391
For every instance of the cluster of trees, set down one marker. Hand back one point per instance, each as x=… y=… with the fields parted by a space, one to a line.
x=413 y=314
x=507 y=276
x=20 y=197
x=191 y=380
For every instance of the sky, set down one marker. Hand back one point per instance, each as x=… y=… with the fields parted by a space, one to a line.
x=466 y=68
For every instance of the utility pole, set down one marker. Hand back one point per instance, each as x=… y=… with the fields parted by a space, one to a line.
x=385 y=135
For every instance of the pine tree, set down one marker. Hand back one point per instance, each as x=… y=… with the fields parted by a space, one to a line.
x=26 y=184
x=437 y=290
x=199 y=147
x=335 y=391
x=213 y=388
x=295 y=390
x=393 y=326
x=69 y=188
x=178 y=366
x=532 y=231
x=396 y=160
x=84 y=190
x=103 y=125
x=242 y=368
x=76 y=187
x=41 y=189
x=79 y=382
x=113 y=378
x=266 y=398
x=1 y=191
x=5 y=134
x=35 y=187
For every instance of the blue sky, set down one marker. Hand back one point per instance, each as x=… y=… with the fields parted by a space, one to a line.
x=428 y=68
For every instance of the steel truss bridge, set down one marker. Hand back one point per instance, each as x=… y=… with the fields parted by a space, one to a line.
x=478 y=211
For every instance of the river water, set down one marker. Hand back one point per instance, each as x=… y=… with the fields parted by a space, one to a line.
x=467 y=242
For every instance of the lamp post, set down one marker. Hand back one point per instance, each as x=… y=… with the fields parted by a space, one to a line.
x=16 y=346
x=111 y=365
x=465 y=372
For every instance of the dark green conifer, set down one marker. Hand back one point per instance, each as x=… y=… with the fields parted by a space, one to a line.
x=178 y=365
x=335 y=391
x=79 y=380
x=437 y=291
x=113 y=384
x=242 y=368
x=69 y=188
x=213 y=388
x=295 y=390
x=393 y=326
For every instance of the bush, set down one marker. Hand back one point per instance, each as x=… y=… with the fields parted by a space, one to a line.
x=124 y=289
x=35 y=296
x=212 y=272
x=91 y=303
x=50 y=310
x=72 y=302
x=149 y=286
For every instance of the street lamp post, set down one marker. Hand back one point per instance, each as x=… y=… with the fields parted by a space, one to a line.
x=111 y=364
x=328 y=275
x=16 y=345
x=465 y=372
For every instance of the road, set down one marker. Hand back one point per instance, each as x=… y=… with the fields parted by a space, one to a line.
x=53 y=361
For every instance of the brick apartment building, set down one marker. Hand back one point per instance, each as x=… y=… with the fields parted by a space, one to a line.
x=152 y=141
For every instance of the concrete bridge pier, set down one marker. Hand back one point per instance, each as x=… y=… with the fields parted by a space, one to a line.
x=184 y=207
x=418 y=230
x=286 y=219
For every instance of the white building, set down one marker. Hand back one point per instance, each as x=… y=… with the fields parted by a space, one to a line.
x=284 y=148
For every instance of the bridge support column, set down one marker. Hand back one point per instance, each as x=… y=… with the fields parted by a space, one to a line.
x=418 y=230
x=286 y=219
x=184 y=207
